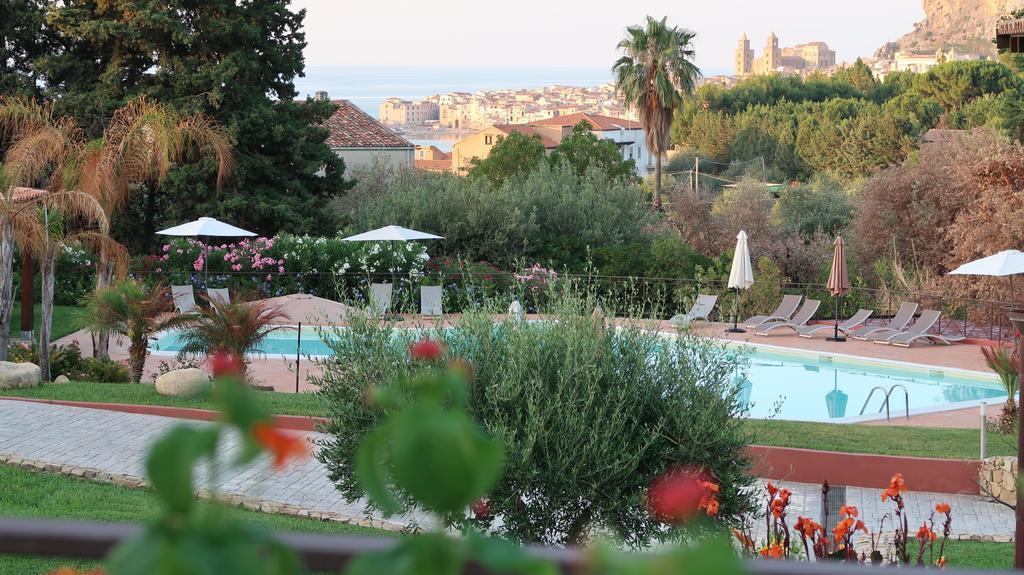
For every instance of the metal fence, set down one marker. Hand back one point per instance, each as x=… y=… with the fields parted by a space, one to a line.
x=91 y=540
x=648 y=297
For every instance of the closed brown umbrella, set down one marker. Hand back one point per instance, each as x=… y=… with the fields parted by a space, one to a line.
x=838 y=282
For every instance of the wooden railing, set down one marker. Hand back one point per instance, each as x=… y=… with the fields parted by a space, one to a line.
x=91 y=540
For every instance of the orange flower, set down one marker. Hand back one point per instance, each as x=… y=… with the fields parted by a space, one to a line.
x=924 y=533
x=284 y=446
x=712 y=508
x=942 y=508
x=896 y=486
x=941 y=561
x=848 y=510
x=774 y=551
x=743 y=539
x=808 y=526
x=772 y=490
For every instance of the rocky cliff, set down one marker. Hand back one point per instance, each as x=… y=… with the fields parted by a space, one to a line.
x=967 y=25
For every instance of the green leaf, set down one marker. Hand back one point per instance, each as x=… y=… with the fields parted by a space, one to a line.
x=372 y=469
x=501 y=556
x=172 y=460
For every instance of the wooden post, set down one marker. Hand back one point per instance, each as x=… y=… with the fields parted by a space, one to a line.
x=27 y=305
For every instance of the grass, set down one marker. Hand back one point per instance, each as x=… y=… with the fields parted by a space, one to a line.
x=942 y=443
x=43 y=495
x=882 y=440
x=63 y=323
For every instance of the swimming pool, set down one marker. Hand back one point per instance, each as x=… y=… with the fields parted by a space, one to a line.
x=777 y=382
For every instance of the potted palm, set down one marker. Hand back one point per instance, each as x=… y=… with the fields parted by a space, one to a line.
x=131 y=309
x=1004 y=362
x=236 y=328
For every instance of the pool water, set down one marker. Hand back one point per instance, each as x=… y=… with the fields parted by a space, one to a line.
x=776 y=382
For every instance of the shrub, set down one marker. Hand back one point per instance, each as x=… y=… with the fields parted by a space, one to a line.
x=588 y=415
x=103 y=371
x=64 y=359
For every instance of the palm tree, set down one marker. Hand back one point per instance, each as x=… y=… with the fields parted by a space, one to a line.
x=131 y=309
x=653 y=75
x=238 y=328
x=45 y=151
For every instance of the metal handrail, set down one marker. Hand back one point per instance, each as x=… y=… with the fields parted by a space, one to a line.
x=888 y=396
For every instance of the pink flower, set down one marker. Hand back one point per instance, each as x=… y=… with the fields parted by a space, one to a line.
x=280 y=269
x=280 y=262
x=158 y=270
x=167 y=247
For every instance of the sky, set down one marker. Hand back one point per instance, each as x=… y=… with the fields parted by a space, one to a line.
x=582 y=33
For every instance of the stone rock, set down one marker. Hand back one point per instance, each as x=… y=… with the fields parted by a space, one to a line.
x=19 y=375
x=182 y=382
x=997 y=478
x=61 y=379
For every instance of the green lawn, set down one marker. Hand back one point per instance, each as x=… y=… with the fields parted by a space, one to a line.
x=43 y=495
x=62 y=320
x=915 y=441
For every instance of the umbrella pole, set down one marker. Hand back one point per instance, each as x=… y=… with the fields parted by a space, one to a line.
x=736 y=317
x=835 y=336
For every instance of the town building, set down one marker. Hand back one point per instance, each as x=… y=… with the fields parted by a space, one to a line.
x=1010 y=36
x=912 y=61
x=432 y=159
x=799 y=59
x=362 y=141
x=627 y=134
x=399 y=112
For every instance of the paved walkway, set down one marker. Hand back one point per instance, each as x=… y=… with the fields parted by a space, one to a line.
x=117 y=443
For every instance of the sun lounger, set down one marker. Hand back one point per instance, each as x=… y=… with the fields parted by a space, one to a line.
x=785 y=311
x=919 y=331
x=846 y=327
x=430 y=300
x=897 y=324
x=380 y=298
x=184 y=299
x=799 y=320
x=701 y=309
x=218 y=295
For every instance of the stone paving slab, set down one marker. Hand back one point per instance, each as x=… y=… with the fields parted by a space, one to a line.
x=115 y=444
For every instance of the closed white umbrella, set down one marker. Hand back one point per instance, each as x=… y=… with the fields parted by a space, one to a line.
x=1005 y=263
x=741 y=276
x=391 y=233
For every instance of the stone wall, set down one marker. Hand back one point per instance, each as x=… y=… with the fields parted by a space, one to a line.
x=998 y=477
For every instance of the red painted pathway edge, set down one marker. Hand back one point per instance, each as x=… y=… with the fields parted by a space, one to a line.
x=776 y=463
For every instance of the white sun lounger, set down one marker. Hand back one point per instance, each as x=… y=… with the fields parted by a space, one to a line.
x=380 y=298
x=846 y=327
x=787 y=307
x=218 y=295
x=701 y=309
x=897 y=324
x=919 y=331
x=430 y=300
x=799 y=320
x=184 y=299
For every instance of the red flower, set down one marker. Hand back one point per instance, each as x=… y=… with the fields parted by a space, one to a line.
x=676 y=496
x=848 y=510
x=425 y=350
x=482 y=508
x=223 y=364
x=774 y=551
x=942 y=508
x=896 y=486
x=772 y=490
x=283 y=446
x=808 y=526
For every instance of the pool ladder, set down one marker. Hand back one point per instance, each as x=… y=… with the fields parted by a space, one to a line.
x=888 y=397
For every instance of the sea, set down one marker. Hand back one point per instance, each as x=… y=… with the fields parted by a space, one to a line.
x=368 y=86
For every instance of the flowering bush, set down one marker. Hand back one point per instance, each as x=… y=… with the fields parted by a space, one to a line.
x=810 y=538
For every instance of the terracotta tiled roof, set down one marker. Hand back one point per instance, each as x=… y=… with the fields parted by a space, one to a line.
x=434 y=165
x=350 y=127
x=598 y=121
x=529 y=131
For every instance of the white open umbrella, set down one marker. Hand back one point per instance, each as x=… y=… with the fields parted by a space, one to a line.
x=206 y=227
x=741 y=276
x=1005 y=263
x=391 y=233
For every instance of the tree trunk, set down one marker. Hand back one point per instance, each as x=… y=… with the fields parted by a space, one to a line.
x=137 y=351
x=6 y=284
x=104 y=274
x=47 y=265
x=657 y=182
